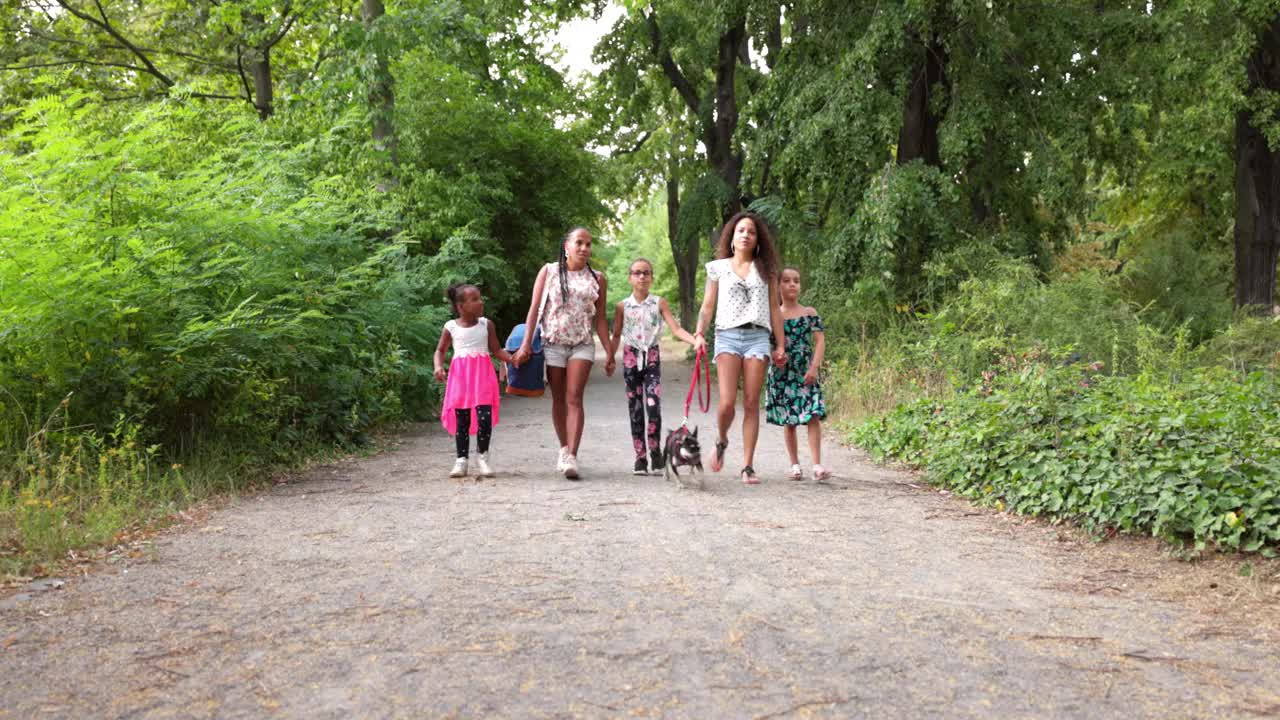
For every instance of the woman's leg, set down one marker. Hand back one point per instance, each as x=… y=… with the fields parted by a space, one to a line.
x=753 y=372
x=789 y=437
x=728 y=371
x=556 y=377
x=576 y=376
x=815 y=441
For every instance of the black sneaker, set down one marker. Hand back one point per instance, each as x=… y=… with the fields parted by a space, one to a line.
x=641 y=467
x=655 y=461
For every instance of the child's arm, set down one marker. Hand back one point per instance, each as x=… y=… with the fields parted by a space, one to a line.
x=531 y=319
x=617 y=329
x=775 y=319
x=495 y=347
x=676 y=329
x=438 y=359
x=819 y=349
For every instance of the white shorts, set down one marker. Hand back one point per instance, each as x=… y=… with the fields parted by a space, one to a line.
x=558 y=355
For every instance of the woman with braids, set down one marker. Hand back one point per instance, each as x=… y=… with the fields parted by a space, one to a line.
x=742 y=295
x=570 y=298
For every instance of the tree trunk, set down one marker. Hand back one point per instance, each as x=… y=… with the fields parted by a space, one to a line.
x=381 y=92
x=724 y=154
x=716 y=125
x=260 y=70
x=686 y=267
x=918 y=138
x=1258 y=185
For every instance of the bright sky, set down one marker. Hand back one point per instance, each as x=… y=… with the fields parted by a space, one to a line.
x=579 y=37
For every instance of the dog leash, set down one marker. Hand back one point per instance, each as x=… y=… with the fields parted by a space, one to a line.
x=700 y=367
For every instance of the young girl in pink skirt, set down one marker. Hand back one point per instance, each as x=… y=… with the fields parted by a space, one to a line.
x=471 y=394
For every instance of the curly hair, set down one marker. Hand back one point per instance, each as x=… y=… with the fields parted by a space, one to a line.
x=766 y=252
x=454 y=291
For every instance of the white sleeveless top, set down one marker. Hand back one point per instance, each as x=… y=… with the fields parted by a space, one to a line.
x=468 y=341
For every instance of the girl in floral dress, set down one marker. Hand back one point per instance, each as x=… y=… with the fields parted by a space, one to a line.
x=794 y=396
x=637 y=326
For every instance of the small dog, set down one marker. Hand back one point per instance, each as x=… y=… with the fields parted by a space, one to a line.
x=682 y=448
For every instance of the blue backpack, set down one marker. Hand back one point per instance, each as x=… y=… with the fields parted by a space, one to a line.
x=528 y=379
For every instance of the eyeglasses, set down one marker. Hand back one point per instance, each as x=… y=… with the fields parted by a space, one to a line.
x=642 y=273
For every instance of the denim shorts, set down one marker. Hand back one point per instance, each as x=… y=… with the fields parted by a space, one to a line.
x=745 y=342
x=558 y=355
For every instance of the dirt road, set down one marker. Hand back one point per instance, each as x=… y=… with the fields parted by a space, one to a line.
x=379 y=588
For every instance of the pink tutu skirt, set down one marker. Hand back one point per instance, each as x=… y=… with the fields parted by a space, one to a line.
x=471 y=382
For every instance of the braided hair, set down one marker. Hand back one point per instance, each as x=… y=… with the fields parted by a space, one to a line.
x=564 y=267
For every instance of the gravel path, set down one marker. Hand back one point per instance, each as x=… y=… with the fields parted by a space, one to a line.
x=378 y=588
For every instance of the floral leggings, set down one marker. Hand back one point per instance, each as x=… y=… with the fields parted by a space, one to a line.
x=644 y=390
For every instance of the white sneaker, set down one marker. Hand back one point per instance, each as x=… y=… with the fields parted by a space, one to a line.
x=482 y=466
x=459 y=468
x=570 y=467
x=560 y=459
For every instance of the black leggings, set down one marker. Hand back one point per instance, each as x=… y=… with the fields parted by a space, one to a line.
x=484 y=413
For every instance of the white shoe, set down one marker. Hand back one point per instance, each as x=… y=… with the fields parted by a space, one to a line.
x=482 y=466
x=560 y=459
x=459 y=468
x=570 y=467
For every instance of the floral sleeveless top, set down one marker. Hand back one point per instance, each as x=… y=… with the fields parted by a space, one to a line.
x=641 y=322
x=568 y=322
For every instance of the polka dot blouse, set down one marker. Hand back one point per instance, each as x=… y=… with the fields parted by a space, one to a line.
x=739 y=301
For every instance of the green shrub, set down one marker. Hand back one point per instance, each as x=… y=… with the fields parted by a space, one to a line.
x=1180 y=284
x=170 y=281
x=1194 y=460
x=1250 y=343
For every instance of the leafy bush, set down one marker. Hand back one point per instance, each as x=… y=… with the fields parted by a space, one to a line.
x=1180 y=284
x=1195 y=460
x=197 y=295
x=1250 y=343
x=174 y=280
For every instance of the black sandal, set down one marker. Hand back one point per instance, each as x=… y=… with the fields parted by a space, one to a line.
x=721 y=446
x=749 y=476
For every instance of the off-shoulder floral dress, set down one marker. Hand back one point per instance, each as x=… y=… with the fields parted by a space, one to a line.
x=788 y=401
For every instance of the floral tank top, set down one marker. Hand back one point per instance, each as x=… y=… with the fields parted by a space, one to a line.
x=568 y=322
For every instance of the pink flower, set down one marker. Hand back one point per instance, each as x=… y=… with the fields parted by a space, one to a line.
x=628 y=360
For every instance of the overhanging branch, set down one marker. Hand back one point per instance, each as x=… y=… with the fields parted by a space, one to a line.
x=669 y=66
x=105 y=25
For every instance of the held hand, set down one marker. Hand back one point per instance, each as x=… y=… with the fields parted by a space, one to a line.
x=699 y=342
x=779 y=356
x=439 y=373
x=520 y=357
x=609 y=366
x=811 y=376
